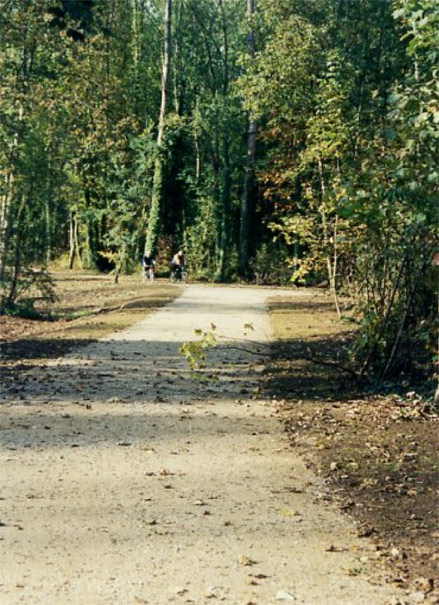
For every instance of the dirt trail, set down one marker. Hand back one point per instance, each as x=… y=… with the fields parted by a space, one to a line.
x=124 y=481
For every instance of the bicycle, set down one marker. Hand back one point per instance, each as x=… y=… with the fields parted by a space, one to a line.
x=178 y=274
x=148 y=274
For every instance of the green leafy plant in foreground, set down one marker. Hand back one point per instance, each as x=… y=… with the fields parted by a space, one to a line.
x=195 y=351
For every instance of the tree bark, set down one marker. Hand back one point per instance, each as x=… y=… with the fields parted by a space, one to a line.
x=157 y=188
x=247 y=204
x=436 y=395
x=74 y=249
x=331 y=260
x=71 y=241
x=224 y=225
x=7 y=201
x=5 y=227
x=225 y=211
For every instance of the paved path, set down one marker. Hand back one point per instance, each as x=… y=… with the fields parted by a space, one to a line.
x=124 y=481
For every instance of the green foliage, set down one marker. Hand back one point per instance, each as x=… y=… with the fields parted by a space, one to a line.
x=195 y=351
x=273 y=264
x=199 y=239
x=346 y=96
x=351 y=131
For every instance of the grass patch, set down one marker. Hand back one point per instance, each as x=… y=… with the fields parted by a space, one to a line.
x=89 y=307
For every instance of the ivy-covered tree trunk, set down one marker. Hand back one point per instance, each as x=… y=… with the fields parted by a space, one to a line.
x=224 y=235
x=157 y=188
x=135 y=48
x=247 y=203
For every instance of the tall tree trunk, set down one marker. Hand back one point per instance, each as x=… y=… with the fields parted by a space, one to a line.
x=157 y=188
x=225 y=211
x=135 y=45
x=7 y=200
x=48 y=234
x=5 y=226
x=48 y=216
x=135 y=41
x=436 y=395
x=16 y=264
x=120 y=261
x=71 y=240
x=226 y=178
x=74 y=249
x=197 y=159
x=216 y=194
x=247 y=204
x=331 y=260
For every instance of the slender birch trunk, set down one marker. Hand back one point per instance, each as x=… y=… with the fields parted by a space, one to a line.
x=74 y=249
x=5 y=205
x=331 y=260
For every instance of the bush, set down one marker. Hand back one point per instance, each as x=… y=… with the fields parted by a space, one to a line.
x=18 y=295
x=272 y=265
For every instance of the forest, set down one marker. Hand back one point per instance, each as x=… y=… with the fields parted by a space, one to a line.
x=277 y=141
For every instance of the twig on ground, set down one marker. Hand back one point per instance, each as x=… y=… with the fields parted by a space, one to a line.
x=332 y=364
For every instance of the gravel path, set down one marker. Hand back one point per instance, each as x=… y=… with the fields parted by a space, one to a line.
x=125 y=481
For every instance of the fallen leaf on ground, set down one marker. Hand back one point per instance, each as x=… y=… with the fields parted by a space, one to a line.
x=247 y=561
x=333 y=548
x=258 y=576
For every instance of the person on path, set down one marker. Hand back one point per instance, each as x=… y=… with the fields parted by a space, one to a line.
x=178 y=263
x=148 y=263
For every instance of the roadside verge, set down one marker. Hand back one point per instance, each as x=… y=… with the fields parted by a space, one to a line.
x=377 y=451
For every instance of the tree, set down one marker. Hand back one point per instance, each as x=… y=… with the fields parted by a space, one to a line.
x=347 y=179
x=247 y=202
x=157 y=188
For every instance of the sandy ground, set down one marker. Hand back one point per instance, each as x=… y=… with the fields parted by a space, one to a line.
x=126 y=481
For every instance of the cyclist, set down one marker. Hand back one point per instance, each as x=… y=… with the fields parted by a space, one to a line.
x=178 y=264
x=148 y=263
